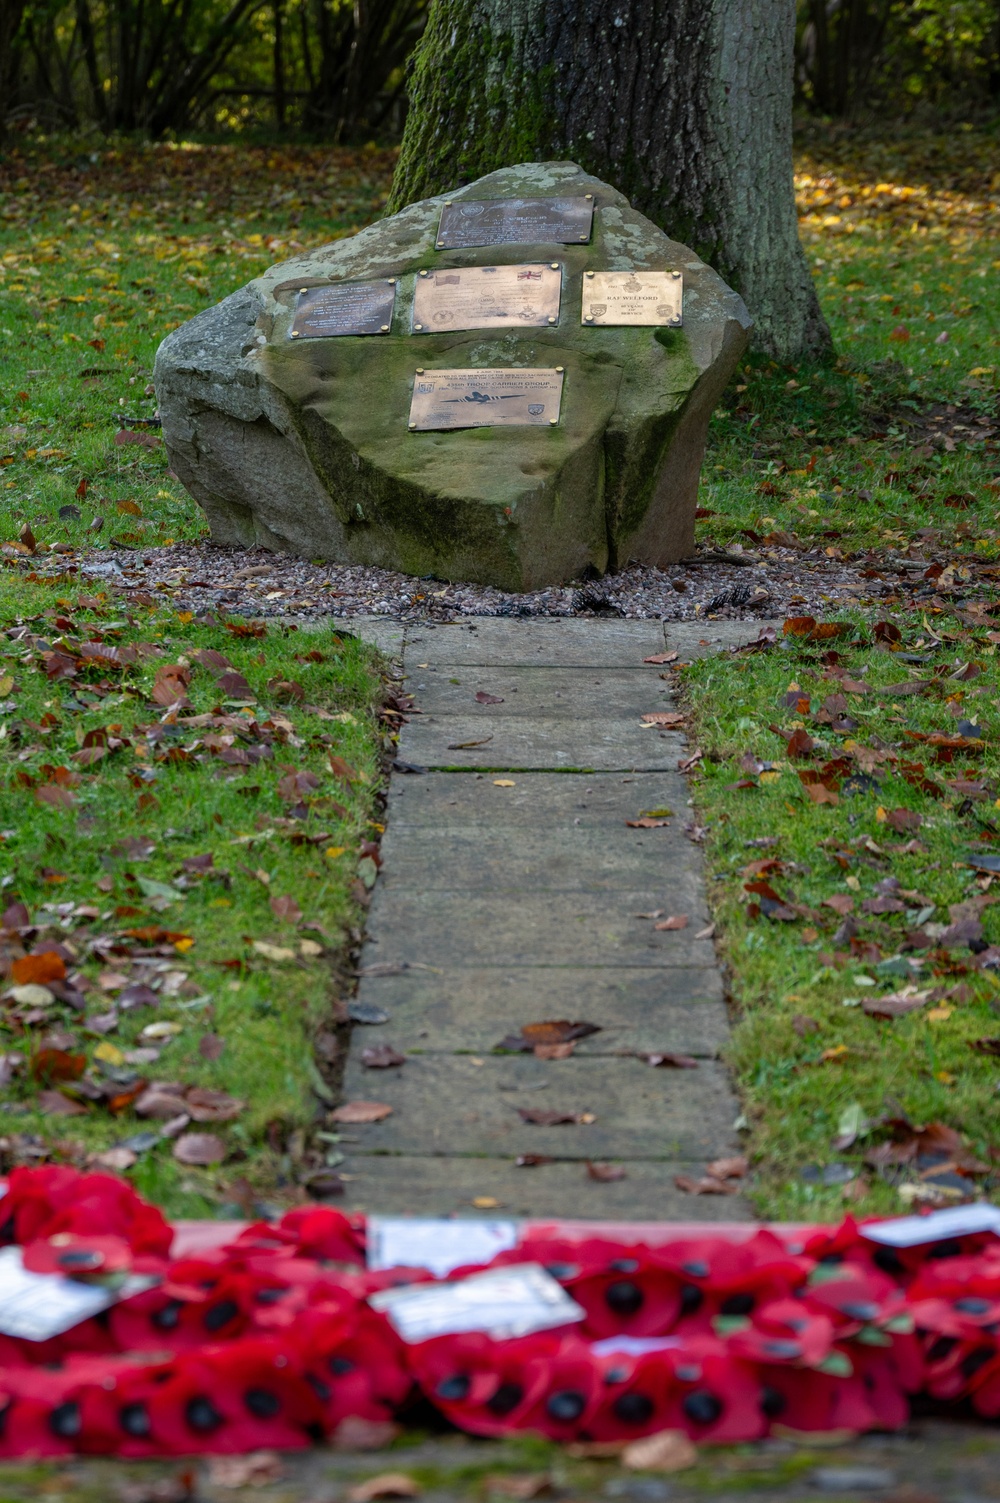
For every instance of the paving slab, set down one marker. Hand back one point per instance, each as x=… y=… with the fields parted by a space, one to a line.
x=696 y=639
x=412 y=1185
x=379 y=631
x=524 y=743
x=457 y=1105
x=592 y=801
x=547 y=693
x=439 y=927
x=584 y=643
x=471 y=1010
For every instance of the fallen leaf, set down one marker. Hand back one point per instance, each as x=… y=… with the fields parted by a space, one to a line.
x=206 y=1105
x=385 y=1485
x=359 y=1112
x=50 y=1065
x=38 y=968
x=732 y=1168
x=525 y=1485
x=381 y=1057
x=667 y=1451
x=199 y=1149
x=286 y=909
x=540 y=1116
x=606 y=1173
x=668 y=718
x=707 y=1185
x=355 y=1433
x=661 y=657
x=989 y=1046
x=482 y=698
x=503 y=782
x=840 y=902
x=55 y=1104
x=675 y=921
x=896 y=1004
x=257 y=1469
x=210 y=1046
x=645 y=822
x=272 y=952
x=670 y=1061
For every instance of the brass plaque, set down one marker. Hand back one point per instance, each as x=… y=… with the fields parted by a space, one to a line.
x=491 y=398
x=632 y=297
x=486 y=297
x=344 y=308
x=516 y=221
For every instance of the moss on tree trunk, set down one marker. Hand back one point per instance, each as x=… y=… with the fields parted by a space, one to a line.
x=685 y=106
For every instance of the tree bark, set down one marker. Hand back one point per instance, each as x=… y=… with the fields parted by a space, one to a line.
x=684 y=105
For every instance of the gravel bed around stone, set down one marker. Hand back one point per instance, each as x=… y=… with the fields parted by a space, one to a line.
x=733 y=586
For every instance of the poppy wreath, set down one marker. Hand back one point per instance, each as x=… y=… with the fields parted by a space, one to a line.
x=270 y=1340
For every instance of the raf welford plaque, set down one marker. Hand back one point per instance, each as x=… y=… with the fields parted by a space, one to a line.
x=486 y=297
x=344 y=308
x=632 y=297
x=497 y=398
x=516 y=221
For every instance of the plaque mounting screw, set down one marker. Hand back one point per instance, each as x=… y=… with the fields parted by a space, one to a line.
x=440 y=245
x=412 y=425
x=584 y=237
x=675 y=274
x=554 y=265
x=418 y=326
x=552 y=320
x=391 y=281
x=588 y=195
x=302 y=290
x=589 y=319
x=553 y=422
x=295 y=333
x=560 y=369
x=423 y=273
x=384 y=328
x=590 y=273
x=420 y=370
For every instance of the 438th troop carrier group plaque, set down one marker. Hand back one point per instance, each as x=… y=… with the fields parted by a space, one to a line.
x=632 y=297
x=486 y=297
x=344 y=308
x=486 y=398
x=516 y=221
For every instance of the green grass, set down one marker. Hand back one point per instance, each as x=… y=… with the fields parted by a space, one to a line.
x=64 y=862
x=785 y=973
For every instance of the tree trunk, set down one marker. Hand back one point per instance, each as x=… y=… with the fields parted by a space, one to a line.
x=684 y=105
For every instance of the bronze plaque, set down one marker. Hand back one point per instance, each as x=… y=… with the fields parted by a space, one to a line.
x=490 y=398
x=632 y=297
x=344 y=308
x=516 y=221
x=486 y=297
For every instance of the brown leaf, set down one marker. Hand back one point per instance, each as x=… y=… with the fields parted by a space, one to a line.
x=896 y=1004
x=55 y=1104
x=804 y=1025
x=54 y=796
x=359 y=1112
x=707 y=1185
x=385 y=1485
x=646 y=822
x=206 y=1105
x=210 y=1046
x=540 y=1116
x=381 y=1057
x=162 y=1099
x=667 y=1060
x=131 y=436
x=38 y=969
x=286 y=909
x=799 y=626
x=732 y=1168
x=904 y=821
x=669 y=718
x=606 y=1173
x=355 y=1433
x=840 y=902
x=50 y=1065
x=554 y=1051
x=675 y=921
x=666 y=1451
x=820 y=794
x=194 y=864
x=482 y=698
x=989 y=1046
x=234 y=686
x=800 y=744
x=296 y=785
x=257 y=1469
x=662 y=657
x=199 y=1148
x=532 y=1160
x=524 y=1485
x=216 y=662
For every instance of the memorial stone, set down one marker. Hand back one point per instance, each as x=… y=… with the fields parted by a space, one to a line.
x=542 y=414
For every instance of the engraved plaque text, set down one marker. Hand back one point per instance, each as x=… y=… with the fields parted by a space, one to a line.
x=486 y=297
x=632 y=297
x=344 y=308
x=490 y=398
x=515 y=221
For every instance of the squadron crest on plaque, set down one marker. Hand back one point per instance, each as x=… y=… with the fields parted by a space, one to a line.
x=632 y=297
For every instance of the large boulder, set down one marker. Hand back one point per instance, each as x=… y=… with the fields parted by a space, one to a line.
x=303 y=445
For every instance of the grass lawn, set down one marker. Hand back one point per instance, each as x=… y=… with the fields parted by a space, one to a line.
x=884 y=455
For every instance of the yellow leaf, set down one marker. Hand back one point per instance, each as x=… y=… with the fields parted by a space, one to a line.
x=109 y=1053
x=834 y=1055
x=503 y=782
x=881 y=815
x=333 y=851
x=221 y=903
x=184 y=944
x=272 y=952
x=184 y=617
x=939 y=1014
x=486 y=1202
x=6 y=684
x=945 y=1077
x=770 y=777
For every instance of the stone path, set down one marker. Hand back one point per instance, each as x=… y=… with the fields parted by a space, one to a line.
x=512 y=891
